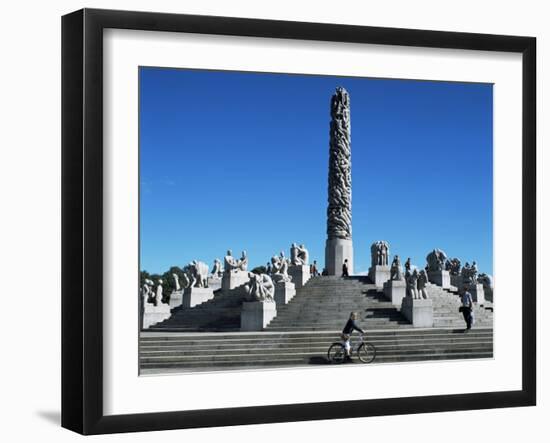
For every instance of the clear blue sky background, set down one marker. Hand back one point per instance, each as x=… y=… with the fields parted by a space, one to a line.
x=239 y=160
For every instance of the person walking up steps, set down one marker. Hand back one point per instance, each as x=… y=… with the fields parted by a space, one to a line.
x=467 y=306
x=346 y=333
x=345 y=268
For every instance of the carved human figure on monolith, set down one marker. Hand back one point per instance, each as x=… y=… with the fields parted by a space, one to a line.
x=412 y=284
x=279 y=266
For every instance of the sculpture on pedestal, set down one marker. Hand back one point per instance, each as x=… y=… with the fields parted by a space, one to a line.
x=217 y=270
x=408 y=264
x=396 y=273
x=453 y=266
x=436 y=260
x=380 y=251
x=260 y=287
x=197 y=273
x=279 y=269
x=299 y=255
x=157 y=300
x=147 y=291
x=176 y=281
x=421 y=284
x=242 y=263
x=469 y=274
x=230 y=263
x=486 y=280
x=412 y=284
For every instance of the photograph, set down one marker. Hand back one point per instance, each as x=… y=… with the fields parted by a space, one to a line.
x=293 y=220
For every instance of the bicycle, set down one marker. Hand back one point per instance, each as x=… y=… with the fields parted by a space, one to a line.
x=365 y=350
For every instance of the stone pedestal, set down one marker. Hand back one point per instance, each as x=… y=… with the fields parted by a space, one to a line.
x=255 y=315
x=488 y=292
x=336 y=251
x=440 y=278
x=395 y=291
x=456 y=281
x=214 y=282
x=176 y=298
x=419 y=312
x=195 y=296
x=300 y=274
x=234 y=279
x=478 y=294
x=154 y=314
x=284 y=291
x=379 y=274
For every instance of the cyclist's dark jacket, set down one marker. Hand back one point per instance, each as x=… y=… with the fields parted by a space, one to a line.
x=350 y=326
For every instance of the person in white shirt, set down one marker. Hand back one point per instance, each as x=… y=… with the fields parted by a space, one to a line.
x=467 y=306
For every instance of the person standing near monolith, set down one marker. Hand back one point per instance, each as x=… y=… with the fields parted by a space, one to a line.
x=339 y=245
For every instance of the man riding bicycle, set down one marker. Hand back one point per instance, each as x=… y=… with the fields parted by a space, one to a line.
x=346 y=333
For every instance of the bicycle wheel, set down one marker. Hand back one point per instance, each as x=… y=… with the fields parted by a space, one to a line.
x=336 y=353
x=366 y=352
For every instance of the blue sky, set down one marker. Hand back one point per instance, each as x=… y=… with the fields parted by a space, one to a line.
x=239 y=160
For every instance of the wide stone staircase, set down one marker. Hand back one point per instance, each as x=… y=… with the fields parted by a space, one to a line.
x=222 y=313
x=193 y=352
x=446 y=303
x=325 y=304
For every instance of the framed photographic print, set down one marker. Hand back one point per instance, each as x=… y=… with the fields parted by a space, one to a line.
x=224 y=227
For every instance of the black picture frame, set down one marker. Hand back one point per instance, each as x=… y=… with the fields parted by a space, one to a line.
x=82 y=215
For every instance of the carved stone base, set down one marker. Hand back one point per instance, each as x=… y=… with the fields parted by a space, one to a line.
x=488 y=292
x=478 y=294
x=419 y=312
x=214 y=283
x=195 y=296
x=284 y=291
x=440 y=278
x=175 y=298
x=154 y=314
x=379 y=274
x=336 y=251
x=300 y=274
x=456 y=280
x=234 y=279
x=256 y=315
x=395 y=291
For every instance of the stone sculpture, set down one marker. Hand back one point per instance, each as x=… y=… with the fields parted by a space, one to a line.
x=436 y=260
x=217 y=270
x=408 y=264
x=486 y=280
x=454 y=266
x=268 y=269
x=157 y=300
x=380 y=251
x=242 y=263
x=339 y=246
x=230 y=263
x=147 y=291
x=197 y=273
x=176 y=281
x=339 y=188
x=260 y=287
x=469 y=274
x=299 y=255
x=279 y=269
x=421 y=285
x=412 y=284
x=396 y=273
